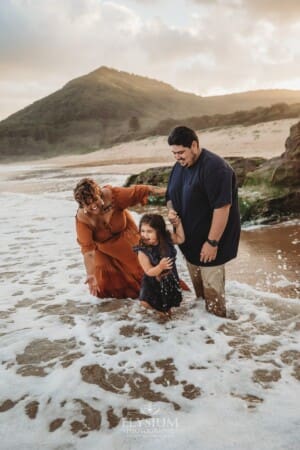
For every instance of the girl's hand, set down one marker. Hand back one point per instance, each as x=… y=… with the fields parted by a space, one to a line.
x=166 y=264
x=91 y=281
x=173 y=217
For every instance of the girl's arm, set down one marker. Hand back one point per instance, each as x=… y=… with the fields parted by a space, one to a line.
x=177 y=235
x=154 y=271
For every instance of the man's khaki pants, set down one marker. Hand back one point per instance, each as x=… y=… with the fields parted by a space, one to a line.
x=209 y=283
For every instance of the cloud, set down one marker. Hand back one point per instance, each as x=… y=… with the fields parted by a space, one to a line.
x=219 y=47
x=164 y=44
x=50 y=42
x=57 y=36
x=277 y=11
x=240 y=53
x=16 y=95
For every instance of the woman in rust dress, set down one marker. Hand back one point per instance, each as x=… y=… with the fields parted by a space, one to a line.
x=106 y=233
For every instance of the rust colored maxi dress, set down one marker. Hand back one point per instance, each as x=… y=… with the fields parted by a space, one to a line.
x=117 y=268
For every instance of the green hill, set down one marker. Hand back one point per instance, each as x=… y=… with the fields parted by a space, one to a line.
x=107 y=106
x=278 y=111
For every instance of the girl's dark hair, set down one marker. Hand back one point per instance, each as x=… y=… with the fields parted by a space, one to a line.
x=182 y=136
x=156 y=221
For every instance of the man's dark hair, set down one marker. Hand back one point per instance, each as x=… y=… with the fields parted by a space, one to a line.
x=182 y=136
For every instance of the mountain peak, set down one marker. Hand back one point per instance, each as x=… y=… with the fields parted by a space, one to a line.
x=117 y=77
x=98 y=108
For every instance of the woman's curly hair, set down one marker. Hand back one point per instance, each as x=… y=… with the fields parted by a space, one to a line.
x=86 y=191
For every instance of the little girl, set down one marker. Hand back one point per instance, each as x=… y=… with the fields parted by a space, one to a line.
x=160 y=288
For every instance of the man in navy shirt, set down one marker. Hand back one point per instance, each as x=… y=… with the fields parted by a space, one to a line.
x=202 y=189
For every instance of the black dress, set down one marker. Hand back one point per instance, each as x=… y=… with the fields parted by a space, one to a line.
x=165 y=293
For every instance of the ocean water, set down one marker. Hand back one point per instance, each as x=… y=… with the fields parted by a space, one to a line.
x=82 y=373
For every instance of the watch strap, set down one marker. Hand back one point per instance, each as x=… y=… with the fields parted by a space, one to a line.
x=212 y=242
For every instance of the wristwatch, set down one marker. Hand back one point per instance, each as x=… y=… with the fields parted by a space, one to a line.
x=212 y=242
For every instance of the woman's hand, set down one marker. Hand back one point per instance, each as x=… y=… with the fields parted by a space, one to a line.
x=91 y=281
x=166 y=264
x=158 y=190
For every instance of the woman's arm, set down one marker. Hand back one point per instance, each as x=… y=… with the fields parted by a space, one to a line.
x=124 y=197
x=154 y=271
x=91 y=281
x=87 y=245
x=157 y=190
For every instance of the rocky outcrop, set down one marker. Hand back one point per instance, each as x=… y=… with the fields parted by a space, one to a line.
x=272 y=191
x=157 y=176
x=243 y=166
x=292 y=144
x=160 y=175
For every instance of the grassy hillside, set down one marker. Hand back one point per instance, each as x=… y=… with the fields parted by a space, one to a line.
x=107 y=106
x=249 y=100
x=278 y=111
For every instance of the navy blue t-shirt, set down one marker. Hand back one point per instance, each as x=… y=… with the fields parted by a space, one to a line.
x=195 y=192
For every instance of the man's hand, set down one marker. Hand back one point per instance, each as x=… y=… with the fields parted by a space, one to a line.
x=208 y=253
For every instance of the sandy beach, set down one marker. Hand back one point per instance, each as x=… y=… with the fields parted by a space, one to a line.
x=262 y=140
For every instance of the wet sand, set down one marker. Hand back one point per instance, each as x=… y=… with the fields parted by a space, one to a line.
x=268 y=259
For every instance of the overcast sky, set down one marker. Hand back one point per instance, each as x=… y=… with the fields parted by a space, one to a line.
x=203 y=46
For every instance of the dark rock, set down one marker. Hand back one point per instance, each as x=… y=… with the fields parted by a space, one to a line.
x=272 y=191
x=269 y=210
x=286 y=174
x=242 y=166
x=292 y=143
x=159 y=176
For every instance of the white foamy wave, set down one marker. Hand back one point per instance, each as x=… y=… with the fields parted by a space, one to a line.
x=73 y=366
